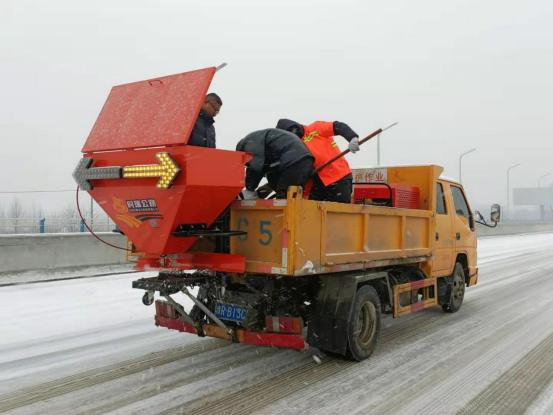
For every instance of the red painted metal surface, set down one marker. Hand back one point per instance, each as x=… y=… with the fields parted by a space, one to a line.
x=155 y=112
x=402 y=196
x=166 y=317
x=175 y=324
x=208 y=182
x=164 y=309
x=288 y=341
x=406 y=196
x=196 y=260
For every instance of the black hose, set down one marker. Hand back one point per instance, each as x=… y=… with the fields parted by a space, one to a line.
x=91 y=231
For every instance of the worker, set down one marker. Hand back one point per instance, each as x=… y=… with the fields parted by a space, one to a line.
x=334 y=182
x=280 y=156
x=203 y=133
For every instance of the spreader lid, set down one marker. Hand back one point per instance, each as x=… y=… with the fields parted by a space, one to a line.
x=151 y=113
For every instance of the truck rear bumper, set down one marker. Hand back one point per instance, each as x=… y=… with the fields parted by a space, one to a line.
x=289 y=341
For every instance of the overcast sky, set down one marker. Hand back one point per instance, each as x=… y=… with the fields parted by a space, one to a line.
x=455 y=74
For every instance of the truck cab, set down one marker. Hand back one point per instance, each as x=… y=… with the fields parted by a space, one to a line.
x=455 y=232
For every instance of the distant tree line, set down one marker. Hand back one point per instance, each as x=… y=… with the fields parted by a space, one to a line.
x=19 y=218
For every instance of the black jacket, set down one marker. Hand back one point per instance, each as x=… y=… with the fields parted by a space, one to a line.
x=270 y=148
x=203 y=133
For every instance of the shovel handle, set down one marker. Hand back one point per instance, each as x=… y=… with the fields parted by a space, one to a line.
x=343 y=153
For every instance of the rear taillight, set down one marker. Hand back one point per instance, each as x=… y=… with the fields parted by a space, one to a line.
x=291 y=325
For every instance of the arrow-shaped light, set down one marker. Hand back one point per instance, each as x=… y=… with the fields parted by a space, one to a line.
x=83 y=173
x=166 y=170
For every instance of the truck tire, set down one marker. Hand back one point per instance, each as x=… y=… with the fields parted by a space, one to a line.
x=456 y=290
x=364 y=323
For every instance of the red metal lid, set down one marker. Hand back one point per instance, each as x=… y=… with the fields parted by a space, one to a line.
x=156 y=112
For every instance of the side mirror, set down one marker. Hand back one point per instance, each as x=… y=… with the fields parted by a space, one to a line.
x=495 y=214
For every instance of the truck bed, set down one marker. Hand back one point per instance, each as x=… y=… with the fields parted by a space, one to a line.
x=296 y=236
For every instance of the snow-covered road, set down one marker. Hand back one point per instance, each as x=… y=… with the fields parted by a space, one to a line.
x=89 y=346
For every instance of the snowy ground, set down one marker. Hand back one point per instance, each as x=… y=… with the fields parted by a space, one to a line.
x=31 y=277
x=90 y=346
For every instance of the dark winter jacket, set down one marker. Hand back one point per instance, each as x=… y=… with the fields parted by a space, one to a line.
x=203 y=133
x=270 y=148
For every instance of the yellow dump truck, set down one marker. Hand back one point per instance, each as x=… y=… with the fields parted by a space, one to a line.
x=320 y=274
x=291 y=272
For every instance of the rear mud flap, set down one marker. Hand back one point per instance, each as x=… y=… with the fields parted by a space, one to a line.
x=327 y=325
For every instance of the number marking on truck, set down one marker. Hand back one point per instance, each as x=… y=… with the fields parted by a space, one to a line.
x=242 y=222
x=263 y=224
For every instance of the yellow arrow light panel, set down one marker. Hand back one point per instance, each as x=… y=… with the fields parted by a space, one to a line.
x=166 y=170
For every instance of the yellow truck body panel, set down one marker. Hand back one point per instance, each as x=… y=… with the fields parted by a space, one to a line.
x=301 y=237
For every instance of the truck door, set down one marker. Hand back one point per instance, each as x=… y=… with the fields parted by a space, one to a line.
x=443 y=243
x=463 y=225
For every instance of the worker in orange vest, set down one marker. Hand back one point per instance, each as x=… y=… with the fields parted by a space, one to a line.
x=334 y=182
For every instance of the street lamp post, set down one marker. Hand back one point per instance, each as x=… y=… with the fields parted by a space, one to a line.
x=543 y=177
x=378 y=150
x=461 y=159
x=509 y=188
x=91 y=213
x=542 y=206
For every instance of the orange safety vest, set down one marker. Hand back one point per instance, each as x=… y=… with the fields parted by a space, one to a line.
x=319 y=139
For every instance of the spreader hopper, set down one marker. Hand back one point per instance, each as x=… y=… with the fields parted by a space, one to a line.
x=137 y=165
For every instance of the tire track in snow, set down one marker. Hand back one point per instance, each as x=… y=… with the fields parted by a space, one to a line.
x=261 y=394
x=48 y=390
x=167 y=383
x=517 y=388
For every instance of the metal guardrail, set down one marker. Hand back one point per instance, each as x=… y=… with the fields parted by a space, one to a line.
x=53 y=225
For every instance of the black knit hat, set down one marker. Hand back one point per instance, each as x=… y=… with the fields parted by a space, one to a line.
x=286 y=124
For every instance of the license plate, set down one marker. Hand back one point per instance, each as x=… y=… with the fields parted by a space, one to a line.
x=230 y=312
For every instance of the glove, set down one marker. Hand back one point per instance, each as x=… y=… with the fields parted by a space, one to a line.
x=249 y=194
x=354 y=145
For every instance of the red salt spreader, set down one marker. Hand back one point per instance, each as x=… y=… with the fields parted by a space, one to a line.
x=161 y=193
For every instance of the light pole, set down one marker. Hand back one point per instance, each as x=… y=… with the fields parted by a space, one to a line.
x=461 y=159
x=542 y=206
x=378 y=150
x=543 y=177
x=91 y=212
x=509 y=188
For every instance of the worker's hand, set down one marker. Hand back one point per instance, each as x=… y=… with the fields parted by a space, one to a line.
x=249 y=194
x=354 y=145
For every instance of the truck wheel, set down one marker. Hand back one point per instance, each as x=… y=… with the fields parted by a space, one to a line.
x=364 y=324
x=457 y=290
